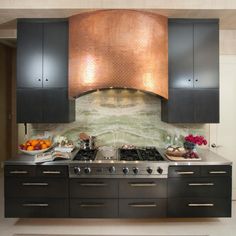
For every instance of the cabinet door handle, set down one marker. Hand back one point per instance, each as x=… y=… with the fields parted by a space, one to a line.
x=35 y=205
x=35 y=184
x=200 y=204
x=201 y=184
x=137 y=205
x=53 y=172
x=142 y=184
x=185 y=172
x=18 y=172
x=85 y=205
x=93 y=184
x=218 y=172
x=46 y=79
x=39 y=80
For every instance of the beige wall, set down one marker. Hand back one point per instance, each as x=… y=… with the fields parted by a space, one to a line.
x=223 y=134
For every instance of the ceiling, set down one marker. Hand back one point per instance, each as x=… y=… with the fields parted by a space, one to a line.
x=8 y=16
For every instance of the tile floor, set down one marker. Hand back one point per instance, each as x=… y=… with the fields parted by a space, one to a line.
x=81 y=227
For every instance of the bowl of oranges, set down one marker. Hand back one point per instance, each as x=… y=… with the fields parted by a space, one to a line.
x=36 y=146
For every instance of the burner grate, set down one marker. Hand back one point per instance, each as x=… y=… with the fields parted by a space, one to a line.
x=145 y=154
x=129 y=155
x=150 y=154
x=85 y=155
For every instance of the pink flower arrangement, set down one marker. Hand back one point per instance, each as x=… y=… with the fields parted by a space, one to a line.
x=198 y=140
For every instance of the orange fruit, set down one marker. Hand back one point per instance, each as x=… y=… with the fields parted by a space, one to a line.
x=34 y=142
x=43 y=146
x=30 y=148
x=48 y=143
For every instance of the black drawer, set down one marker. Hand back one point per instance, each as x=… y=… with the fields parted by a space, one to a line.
x=52 y=171
x=94 y=208
x=36 y=207
x=184 y=171
x=217 y=170
x=199 y=187
x=36 y=187
x=204 y=207
x=90 y=188
x=142 y=208
x=19 y=170
x=143 y=188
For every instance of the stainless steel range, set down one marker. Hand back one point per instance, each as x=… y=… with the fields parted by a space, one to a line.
x=119 y=163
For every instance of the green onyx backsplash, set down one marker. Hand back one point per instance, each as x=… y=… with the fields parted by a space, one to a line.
x=122 y=116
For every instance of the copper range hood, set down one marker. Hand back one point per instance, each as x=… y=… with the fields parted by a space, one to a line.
x=118 y=49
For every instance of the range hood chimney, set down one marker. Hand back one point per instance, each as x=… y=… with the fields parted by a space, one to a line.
x=118 y=49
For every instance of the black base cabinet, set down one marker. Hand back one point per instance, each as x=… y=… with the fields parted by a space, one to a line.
x=199 y=191
x=46 y=191
x=199 y=207
x=36 y=191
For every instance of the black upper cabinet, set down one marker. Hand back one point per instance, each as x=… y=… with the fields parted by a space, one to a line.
x=55 y=54
x=206 y=55
x=29 y=55
x=193 y=72
x=42 y=72
x=44 y=106
x=181 y=55
x=42 y=54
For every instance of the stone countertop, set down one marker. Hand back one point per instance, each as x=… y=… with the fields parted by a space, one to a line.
x=207 y=158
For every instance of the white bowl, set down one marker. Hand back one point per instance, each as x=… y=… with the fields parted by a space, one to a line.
x=34 y=152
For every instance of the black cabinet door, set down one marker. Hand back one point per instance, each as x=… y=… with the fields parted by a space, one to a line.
x=55 y=106
x=55 y=54
x=180 y=106
x=206 y=55
x=180 y=55
x=206 y=103
x=29 y=55
x=29 y=106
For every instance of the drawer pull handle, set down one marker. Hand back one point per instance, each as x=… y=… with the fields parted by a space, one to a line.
x=35 y=184
x=143 y=205
x=218 y=172
x=93 y=184
x=92 y=205
x=18 y=172
x=200 y=204
x=201 y=184
x=142 y=184
x=51 y=172
x=35 y=205
x=185 y=172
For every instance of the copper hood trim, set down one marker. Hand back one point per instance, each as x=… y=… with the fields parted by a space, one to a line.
x=118 y=49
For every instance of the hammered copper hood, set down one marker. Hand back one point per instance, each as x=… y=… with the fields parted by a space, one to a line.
x=118 y=49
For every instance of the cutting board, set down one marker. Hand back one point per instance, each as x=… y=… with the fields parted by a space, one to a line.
x=174 y=158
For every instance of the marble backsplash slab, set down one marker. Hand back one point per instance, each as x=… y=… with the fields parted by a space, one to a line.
x=122 y=116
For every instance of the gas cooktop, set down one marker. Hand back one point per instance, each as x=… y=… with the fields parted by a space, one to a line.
x=122 y=154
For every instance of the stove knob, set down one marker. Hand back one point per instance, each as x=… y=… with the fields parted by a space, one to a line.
x=160 y=170
x=76 y=170
x=149 y=170
x=87 y=170
x=112 y=169
x=125 y=170
x=135 y=170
